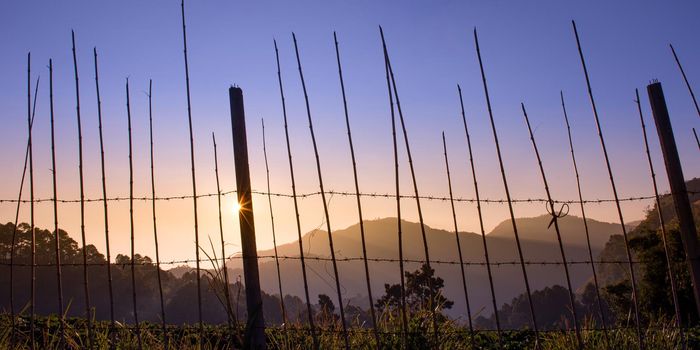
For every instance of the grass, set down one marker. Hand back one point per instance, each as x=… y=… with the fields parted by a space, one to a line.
x=659 y=335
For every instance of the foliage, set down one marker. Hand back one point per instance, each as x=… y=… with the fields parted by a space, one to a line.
x=654 y=285
x=651 y=271
x=659 y=335
x=418 y=292
x=552 y=308
x=179 y=292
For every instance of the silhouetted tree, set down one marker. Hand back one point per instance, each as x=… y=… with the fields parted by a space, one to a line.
x=326 y=309
x=325 y=304
x=589 y=305
x=180 y=293
x=417 y=291
x=653 y=284
x=551 y=305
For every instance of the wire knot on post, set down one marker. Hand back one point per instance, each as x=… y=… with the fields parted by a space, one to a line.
x=563 y=211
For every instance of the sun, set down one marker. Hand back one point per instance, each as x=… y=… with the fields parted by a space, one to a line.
x=236 y=207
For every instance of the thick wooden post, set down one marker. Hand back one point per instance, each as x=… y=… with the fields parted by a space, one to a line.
x=255 y=327
x=679 y=192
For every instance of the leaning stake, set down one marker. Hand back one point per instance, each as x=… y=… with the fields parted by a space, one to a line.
x=86 y=285
x=404 y=313
x=662 y=223
x=57 y=244
x=585 y=225
x=481 y=221
x=505 y=187
x=309 y=312
x=323 y=198
x=614 y=190
x=357 y=196
x=227 y=294
x=105 y=205
x=14 y=230
x=194 y=178
x=685 y=78
x=272 y=224
x=32 y=287
x=459 y=245
x=131 y=221
x=555 y=221
x=431 y=300
x=153 y=211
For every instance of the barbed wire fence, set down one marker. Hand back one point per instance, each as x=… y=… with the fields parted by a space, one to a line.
x=374 y=260
x=399 y=132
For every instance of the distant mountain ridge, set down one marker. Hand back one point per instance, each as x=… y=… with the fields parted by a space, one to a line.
x=538 y=244
x=571 y=227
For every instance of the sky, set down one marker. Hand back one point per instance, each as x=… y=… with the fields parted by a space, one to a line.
x=529 y=54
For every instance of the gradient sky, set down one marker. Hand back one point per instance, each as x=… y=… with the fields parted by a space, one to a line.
x=529 y=52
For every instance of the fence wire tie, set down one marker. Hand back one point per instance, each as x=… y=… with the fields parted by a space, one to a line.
x=563 y=211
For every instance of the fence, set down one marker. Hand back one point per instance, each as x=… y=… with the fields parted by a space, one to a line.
x=556 y=208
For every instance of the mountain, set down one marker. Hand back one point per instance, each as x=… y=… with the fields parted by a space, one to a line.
x=615 y=247
x=181 y=270
x=382 y=243
x=571 y=227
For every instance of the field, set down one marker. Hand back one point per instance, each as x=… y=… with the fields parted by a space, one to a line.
x=659 y=335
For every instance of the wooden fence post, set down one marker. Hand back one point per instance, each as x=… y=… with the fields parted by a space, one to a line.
x=255 y=327
x=677 y=182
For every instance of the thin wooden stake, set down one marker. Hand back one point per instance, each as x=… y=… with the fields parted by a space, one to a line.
x=481 y=221
x=599 y=299
x=229 y=308
x=14 y=229
x=86 y=285
x=106 y=210
x=662 y=223
x=131 y=221
x=555 y=221
x=272 y=223
x=57 y=244
x=296 y=207
x=431 y=301
x=459 y=245
x=323 y=198
x=640 y=335
x=32 y=299
x=357 y=196
x=404 y=312
x=685 y=78
x=507 y=191
x=153 y=211
x=194 y=179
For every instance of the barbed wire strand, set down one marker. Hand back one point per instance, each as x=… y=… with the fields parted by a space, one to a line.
x=348 y=194
x=349 y=259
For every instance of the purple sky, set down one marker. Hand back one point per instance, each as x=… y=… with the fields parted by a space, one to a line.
x=529 y=52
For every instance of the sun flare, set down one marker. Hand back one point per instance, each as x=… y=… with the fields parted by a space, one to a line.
x=236 y=207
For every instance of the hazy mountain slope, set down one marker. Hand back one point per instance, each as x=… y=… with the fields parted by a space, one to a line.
x=382 y=243
x=571 y=227
x=615 y=247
